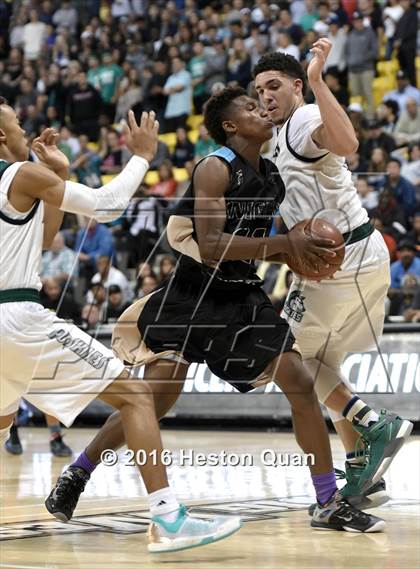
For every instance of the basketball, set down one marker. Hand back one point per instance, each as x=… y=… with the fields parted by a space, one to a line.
x=318 y=228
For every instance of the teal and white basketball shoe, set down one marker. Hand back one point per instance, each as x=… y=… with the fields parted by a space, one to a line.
x=187 y=531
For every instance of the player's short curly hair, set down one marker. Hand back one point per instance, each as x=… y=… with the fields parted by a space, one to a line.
x=215 y=112
x=284 y=63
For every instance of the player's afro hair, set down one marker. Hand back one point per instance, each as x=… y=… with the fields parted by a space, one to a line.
x=215 y=112
x=284 y=63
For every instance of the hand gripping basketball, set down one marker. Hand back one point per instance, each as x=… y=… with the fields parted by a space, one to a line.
x=316 y=249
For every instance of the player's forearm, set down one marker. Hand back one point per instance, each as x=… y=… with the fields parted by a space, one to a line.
x=229 y=247
x=110 y=201
x=277 y=258
x=338 y=134
x=64 y=173
x=53 y=218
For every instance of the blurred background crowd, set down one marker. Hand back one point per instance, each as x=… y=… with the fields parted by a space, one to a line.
x=79 y=65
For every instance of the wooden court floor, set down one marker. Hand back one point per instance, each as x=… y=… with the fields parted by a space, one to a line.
x=108 y=530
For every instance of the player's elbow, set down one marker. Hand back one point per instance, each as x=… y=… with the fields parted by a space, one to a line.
x=206 y=251
x=46 y=243
x=352 y=146
x=209 y=249
x=346 y=147
x=107 y=215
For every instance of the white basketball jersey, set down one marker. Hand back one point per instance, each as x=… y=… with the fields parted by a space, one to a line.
x=317 y=181
x=21 y=236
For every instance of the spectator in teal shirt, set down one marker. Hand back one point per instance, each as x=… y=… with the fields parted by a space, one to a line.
x=109 y=75
x=311 y=16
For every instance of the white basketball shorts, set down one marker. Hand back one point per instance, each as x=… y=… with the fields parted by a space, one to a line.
x=56 y=366
x=345 y=313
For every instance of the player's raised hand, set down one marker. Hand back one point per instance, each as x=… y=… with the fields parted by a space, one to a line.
x=45 y=148
x=320 y=51
x=142 y=139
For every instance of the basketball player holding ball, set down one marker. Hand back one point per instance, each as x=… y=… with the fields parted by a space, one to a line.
x=346 y=313
x=212 y=308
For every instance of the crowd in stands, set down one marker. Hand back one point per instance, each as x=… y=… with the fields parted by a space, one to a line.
x=79 y=65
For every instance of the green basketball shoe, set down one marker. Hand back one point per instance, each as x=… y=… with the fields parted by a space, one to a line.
x=373 y=497
x=382 y=440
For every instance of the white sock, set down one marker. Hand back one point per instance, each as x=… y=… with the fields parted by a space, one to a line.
x=370 y=417
x=164 y=504
x=359 y=413
x=353 y=458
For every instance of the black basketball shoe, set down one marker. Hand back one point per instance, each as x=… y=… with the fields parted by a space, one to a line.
x=63 y=498
x=374 y=497
x=13 y=444
x=337 y=514
x=58 y=446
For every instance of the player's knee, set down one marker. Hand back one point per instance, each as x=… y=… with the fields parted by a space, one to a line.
x=304 y=401
x=326 y=378
x=142 y=400
x=133 y=392
x=300 y=388
x=139 y=390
